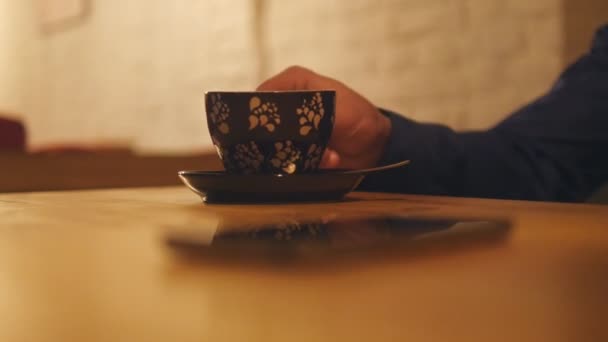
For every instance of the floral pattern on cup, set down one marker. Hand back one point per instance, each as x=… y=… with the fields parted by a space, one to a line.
x=289 y=229
x=247 y=157
x=313 y=157
x=219 y=113
x=310 y=113
x=263 y=114
x=286 y=157
x=221 y=152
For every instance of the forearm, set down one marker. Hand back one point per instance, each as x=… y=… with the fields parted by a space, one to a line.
x=491 y=164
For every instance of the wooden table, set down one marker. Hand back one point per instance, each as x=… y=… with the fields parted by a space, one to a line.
x=93 y=266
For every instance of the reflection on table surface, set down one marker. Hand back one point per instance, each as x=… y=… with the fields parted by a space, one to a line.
x=331 y=237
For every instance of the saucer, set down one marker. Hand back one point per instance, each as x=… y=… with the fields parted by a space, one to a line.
x=324 y=185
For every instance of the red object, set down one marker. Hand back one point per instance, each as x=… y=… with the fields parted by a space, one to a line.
x=12 y=135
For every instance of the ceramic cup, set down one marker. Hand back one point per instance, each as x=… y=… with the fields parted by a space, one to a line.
x=275 y=132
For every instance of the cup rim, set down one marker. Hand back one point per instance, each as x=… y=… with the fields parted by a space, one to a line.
x=269 y=91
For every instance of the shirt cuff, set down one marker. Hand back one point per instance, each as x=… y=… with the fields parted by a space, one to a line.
x=432 y=149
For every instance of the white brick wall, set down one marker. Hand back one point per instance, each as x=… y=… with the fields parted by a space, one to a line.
x=466 y=63
x=10 y=59
x=137 y=69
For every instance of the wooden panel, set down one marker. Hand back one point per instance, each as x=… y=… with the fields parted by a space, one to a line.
x=20 y=172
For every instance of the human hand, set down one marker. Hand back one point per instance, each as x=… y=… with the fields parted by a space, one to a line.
x=360 y=131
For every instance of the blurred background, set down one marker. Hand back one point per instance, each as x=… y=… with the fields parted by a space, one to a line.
x=132 y=73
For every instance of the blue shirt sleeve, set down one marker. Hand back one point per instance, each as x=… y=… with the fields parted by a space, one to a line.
x=554 y=149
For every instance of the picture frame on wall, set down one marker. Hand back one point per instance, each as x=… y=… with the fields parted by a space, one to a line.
x=58 y=15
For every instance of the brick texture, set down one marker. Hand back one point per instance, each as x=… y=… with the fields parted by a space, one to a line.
x=466 y=63
x=136 y=71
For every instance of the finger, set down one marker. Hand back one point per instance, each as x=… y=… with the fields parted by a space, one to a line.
x=292 y=78
x=330 y=159
x=297 y=78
